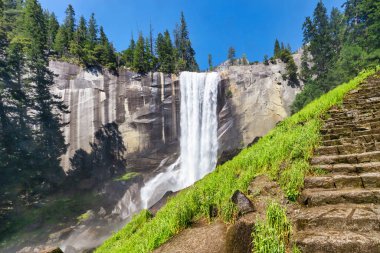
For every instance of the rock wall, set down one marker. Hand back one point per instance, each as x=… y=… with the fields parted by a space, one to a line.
x=252 y=100
x=257 y=99
x=145 y=108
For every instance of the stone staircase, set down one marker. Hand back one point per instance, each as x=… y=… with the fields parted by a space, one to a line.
x=340 y=210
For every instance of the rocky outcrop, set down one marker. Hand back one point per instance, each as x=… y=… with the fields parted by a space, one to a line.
x=341 y=208
x=144 y=107
x=252 y=100
x=257 y=99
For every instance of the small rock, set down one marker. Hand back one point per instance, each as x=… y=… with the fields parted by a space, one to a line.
x=61 y=234
x=52 y=250
x=87 y=216
x=242 y=202
x=102 y=212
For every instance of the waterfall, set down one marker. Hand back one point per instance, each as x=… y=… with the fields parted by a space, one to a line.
x=199 y=145
x=198 y=141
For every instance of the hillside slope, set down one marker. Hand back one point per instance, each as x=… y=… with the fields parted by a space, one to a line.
x=283 y=155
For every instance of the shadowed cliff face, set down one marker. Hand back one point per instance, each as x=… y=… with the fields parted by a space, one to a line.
x=252 y=99
x=145 y=108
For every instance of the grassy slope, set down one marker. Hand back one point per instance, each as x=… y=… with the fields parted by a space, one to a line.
x=282 y=154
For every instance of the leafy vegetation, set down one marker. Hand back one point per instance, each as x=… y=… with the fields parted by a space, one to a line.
x=272 y=234
x=285 y=55
x=127 y=176
x=144 y=56
x=31 y=139
x=290 y=143
x=338 y=46
x=39 y=218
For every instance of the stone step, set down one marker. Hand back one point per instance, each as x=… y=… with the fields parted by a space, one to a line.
x=351 y=158
x=349 y=131
x=347 y=168
x=373 y=105
x=358 y=218
x=358 y=115
x=353 y=125
x=336 y=123
x=372 y=138
x=336 y=241
x=349 y=127
x=342 y=181
x=358 y=102
x=318 y=197
x=346 y=149
x=327 y=137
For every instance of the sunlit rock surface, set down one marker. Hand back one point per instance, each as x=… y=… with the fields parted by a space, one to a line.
x=252 y=99
x=145 y=108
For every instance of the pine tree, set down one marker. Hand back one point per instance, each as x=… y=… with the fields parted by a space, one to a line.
x=69 y=23
x=363 y=19
x=139 y=62
x=52 y=29
x=165 y=53
x=277 y=49
x=317 y=33
x=305 y=68
x=210 y=65
x=77 y=45
x=92 y=35
x=336 y=29
x=149 y=57
x=49 y=137
x=127 y=55
x=231 y=55
x=61 y=42
x=185 y=52
x=105 y=52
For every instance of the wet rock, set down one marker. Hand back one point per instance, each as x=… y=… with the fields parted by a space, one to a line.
x=102 y=212
x=243 y=204
x=86 y=184
x=61 y=234
x=156 y=207
x=52 y=250
x=87 y=216
x=71 y=249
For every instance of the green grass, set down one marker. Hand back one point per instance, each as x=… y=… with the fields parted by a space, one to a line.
x=127 y=176
x=282 y=154
x=272 y=234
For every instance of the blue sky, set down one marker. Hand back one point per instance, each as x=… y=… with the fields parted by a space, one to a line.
x=250 y=26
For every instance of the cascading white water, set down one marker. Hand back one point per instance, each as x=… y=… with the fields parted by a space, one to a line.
x=199 y=142
x=199 y=145
x=199 y=125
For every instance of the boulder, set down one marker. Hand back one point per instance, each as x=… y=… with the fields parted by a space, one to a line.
x=243 y=204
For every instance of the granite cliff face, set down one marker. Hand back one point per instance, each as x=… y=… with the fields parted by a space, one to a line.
x=252 y=100
x=144 y=107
